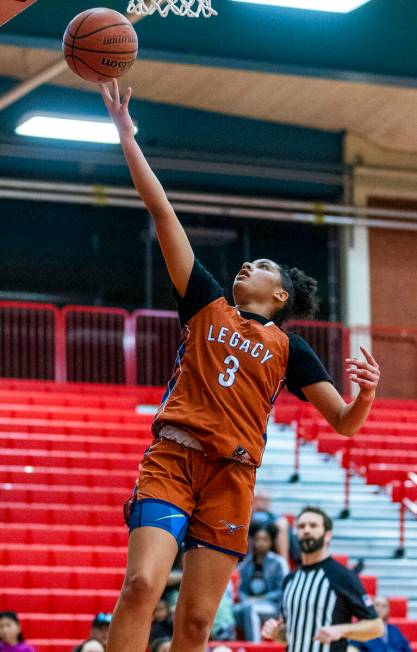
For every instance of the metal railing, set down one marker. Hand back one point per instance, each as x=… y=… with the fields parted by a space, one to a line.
x=111 y=345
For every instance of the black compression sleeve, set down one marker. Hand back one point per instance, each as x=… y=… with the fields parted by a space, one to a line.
x=304 y=367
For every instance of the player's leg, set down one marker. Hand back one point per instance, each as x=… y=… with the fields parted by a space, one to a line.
x=204 y=581
x=158 y=524
x=151 y=554
x=217 y=538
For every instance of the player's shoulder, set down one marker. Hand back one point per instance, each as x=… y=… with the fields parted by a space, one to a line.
x=298 y=343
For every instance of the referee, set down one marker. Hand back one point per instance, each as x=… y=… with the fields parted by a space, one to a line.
x=322 y=596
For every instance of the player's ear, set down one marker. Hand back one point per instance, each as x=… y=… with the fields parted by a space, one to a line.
x=328 y=536
x=281 y=295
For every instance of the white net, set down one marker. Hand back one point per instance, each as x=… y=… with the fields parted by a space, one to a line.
x=191 y=8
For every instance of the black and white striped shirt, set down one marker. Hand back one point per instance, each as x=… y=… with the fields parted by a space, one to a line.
x=319 y=595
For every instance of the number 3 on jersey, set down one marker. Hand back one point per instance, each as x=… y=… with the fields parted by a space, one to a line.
x=228 y=378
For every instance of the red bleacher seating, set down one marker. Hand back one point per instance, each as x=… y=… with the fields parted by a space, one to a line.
x=402 y=490
x=59 y=555
x=72 y=427
x=369 y=584
x=332 y=443
x=146 y=395
x=73 y=459
x=63 y=541
x=83 y=443
x=82 y=601
x=58 y=626
x=64 y=496
x=70 y=577
x=363 y=457
x=398 y=607
x=92 y=514
x=408 y=627
x=383 y=474
x=63 y=534
x=56 y=412
x=58 y=476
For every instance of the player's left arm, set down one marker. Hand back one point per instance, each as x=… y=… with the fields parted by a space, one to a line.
x=363 y=630
x=345 y=418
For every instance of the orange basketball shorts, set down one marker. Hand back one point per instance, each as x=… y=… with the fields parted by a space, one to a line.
x=215 y=495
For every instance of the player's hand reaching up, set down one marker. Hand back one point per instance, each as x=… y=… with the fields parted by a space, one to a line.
x=118 y=109
x=364 y=372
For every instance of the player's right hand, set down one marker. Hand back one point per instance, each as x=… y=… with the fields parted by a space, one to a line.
x=118 y=109
x=274 y=630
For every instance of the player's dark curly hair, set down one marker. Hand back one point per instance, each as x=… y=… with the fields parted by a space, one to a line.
x=302 y=302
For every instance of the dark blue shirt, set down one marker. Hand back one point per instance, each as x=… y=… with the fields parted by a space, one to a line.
x=393 y=641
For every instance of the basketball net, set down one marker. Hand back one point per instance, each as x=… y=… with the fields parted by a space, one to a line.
x=191 y=8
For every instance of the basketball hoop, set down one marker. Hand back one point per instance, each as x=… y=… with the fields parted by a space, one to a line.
x=190 y=8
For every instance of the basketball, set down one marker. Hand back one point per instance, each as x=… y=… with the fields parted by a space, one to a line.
x=100 y=44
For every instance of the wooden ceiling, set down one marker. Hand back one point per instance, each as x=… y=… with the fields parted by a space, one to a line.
x=381 y=113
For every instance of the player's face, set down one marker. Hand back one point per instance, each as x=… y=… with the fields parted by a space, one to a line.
x=311 y=533
x=257 y=281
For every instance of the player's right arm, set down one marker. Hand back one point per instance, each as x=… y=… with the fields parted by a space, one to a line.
x=174 y=243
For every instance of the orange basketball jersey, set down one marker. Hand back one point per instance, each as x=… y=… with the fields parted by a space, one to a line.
x=228 y=372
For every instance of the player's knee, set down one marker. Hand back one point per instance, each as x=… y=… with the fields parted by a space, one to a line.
x=197 y=627
x=139 y=590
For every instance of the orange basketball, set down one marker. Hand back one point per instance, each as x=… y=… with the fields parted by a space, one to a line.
x=100 y=44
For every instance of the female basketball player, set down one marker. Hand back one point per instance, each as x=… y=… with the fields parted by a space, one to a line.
x=197 y=479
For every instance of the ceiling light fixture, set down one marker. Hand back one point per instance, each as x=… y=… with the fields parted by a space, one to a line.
x=335 y=6
x=68 y=128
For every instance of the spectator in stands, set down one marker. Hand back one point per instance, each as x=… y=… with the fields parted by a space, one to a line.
x=161 y=645
x=92 y=645
x=161 y=626
x=261 y=578
x=11 y=637
x=286 y=543
x=321 y=598
x=99 y=630
x=391 y=641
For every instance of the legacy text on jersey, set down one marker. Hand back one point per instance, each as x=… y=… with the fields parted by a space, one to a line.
x=235 y=340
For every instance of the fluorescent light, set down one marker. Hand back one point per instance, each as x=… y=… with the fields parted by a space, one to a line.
x=64 y=128
x=336 y=6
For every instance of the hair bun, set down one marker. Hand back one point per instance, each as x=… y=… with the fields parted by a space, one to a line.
x=306 y=302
